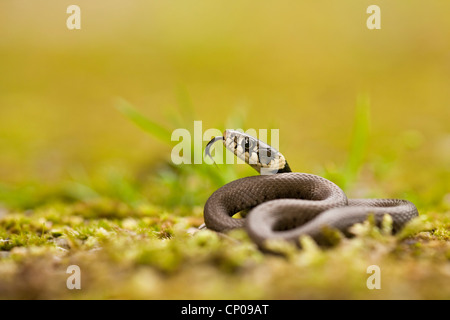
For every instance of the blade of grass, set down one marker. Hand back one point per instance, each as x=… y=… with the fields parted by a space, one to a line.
x=217 y=177
x=359 y=140
x=156 y=130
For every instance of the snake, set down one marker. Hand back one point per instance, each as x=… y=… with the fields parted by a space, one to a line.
x=285 y=205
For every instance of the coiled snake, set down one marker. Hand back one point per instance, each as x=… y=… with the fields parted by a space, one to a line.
x=286 y=205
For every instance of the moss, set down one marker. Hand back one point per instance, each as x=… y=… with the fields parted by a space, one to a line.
x=149 y=256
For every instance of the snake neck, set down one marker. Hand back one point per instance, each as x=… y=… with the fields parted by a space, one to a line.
x=285 y=169
x=268 y=171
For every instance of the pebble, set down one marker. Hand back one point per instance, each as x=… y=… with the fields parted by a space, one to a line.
x=62 y=243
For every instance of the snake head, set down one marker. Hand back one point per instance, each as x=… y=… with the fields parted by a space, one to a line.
x=259 y=155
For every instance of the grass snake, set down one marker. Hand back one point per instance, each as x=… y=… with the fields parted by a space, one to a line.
x=286 y=205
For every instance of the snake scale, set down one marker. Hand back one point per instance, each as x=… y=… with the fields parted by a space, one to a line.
x=286 y=205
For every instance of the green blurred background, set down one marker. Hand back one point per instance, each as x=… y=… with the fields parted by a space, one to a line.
x=297 y=66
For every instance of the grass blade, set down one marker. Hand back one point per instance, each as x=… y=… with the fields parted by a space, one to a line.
x=359 y=140
x=156 y=130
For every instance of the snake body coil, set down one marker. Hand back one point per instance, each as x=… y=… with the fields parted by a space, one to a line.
x=287 y=205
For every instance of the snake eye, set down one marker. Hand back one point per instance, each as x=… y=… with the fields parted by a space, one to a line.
x=247 y=144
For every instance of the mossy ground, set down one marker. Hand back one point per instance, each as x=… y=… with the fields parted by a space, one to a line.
x=146 y=252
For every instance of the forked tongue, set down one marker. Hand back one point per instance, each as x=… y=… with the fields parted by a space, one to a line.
x=208 y=147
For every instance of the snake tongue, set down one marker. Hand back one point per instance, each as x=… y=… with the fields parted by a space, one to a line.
x=208 y=146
